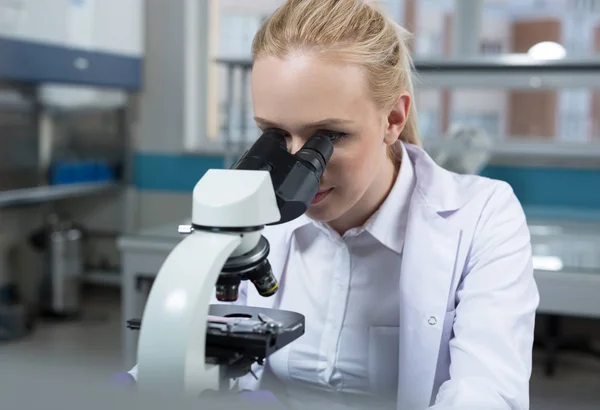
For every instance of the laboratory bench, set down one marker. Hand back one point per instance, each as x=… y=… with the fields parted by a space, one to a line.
x=52 y=193
x=566 y=262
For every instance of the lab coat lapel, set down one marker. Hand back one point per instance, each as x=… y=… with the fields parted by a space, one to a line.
x=428 y=265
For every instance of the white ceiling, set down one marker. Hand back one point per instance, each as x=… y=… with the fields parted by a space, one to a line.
x=509 y=8
x=249 y=6
x=516 y=7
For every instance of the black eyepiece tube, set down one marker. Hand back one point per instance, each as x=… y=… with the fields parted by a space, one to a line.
x=261 y=154
x=298 y=187
x=317 y=151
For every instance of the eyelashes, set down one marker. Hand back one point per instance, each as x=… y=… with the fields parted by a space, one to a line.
x=334 y=136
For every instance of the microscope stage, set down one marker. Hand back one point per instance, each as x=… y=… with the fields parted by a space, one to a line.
x=224 y=345
x=237 y=336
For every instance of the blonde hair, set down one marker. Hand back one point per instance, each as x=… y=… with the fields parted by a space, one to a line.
x=349 y=31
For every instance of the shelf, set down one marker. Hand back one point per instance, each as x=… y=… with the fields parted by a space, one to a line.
x=518 y=151
x=502 y=62
x=507 y=71
x=104 y=278
x=37 y=195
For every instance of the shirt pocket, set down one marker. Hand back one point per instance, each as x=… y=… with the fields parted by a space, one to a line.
x=383 y=360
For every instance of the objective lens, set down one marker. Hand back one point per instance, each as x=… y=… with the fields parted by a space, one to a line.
x=263 y=279
x=227 y=288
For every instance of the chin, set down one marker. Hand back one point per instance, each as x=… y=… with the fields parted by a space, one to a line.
x=323 y=212
x=315 y=214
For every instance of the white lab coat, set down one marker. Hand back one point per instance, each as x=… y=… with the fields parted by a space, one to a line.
x=468 y=295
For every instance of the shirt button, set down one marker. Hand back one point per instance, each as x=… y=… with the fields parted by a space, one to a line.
x=432 y=321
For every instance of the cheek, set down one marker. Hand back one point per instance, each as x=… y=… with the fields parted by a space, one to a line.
x=350 y=167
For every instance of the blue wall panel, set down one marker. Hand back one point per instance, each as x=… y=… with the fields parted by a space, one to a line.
x=544 y=192
x=551 y=187
x=179 y=173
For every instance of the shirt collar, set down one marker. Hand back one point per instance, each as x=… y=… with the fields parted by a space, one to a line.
x=388 y=224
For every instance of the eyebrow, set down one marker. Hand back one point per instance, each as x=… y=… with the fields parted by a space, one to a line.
x=320 y=123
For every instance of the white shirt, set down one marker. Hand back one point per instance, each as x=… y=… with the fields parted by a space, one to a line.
x=347 y=289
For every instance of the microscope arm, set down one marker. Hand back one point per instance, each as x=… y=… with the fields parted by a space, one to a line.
x=171 y=351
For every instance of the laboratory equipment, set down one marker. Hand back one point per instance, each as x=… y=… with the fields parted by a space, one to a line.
x=60 y=288
x=465 y=150
x=184 y=343
x=15 y=319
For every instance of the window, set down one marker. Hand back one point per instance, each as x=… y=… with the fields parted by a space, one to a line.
x=548 y=116
x=504 y=27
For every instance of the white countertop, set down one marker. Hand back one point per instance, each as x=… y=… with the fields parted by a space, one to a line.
x=561 y=245
x=558 y=245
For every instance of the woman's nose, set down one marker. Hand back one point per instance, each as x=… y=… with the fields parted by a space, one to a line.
x=294 y=144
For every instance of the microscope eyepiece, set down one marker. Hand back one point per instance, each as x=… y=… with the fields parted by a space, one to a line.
x=317 y=151
x=265 y=153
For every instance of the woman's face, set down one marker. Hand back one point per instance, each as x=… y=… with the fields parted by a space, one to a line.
x=300 y=95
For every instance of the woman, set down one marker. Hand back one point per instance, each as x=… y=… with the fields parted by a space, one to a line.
x=416 y=284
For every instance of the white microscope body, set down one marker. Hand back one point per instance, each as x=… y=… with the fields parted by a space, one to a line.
x=171 y=351
x=267 y=186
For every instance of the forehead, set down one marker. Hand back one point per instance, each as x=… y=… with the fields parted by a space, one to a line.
x=303 y=88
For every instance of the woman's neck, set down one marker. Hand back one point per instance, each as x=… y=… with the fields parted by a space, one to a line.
x=371 y=201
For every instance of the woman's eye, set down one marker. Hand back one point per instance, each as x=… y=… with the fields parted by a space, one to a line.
x=334 y=136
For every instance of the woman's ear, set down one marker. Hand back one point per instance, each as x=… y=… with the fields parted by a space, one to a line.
x=397 y=118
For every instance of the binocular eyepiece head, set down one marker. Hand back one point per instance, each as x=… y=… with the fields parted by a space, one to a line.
x=295 y=177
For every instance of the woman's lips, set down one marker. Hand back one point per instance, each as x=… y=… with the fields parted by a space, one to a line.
x=320 y=196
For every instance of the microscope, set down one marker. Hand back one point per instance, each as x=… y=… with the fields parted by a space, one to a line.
x=188 y=345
